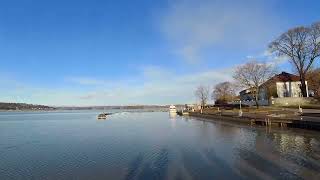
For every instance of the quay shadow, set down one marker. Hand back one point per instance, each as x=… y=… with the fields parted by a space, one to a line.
x=265 y=166
x=206 y=165
x=156 y=169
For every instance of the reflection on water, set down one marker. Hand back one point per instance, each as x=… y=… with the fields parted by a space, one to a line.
x=173 y=118
x=74 y=145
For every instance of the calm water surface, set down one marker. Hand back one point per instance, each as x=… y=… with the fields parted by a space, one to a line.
x=75 y=145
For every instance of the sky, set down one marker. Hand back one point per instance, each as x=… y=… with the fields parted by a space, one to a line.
x=124 y=52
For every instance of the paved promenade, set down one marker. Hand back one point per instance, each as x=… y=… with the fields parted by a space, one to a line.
x=289 y=118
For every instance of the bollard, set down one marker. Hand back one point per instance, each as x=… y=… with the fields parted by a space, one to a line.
x=300 y=110
x=240 y=113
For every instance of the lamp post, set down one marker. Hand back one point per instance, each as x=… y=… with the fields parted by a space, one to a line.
x=240 y=111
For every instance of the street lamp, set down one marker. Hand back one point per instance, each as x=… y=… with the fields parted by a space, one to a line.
x=240 y=111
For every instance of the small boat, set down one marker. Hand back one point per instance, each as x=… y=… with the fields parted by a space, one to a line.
x=183 y=113
x=172 y=109
x=103 y=115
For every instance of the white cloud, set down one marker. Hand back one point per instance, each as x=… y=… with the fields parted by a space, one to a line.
x=86 y=81
x=153 y=85
x=155 y=72
x=194 y=25
x=161 y=86
x=270 y=58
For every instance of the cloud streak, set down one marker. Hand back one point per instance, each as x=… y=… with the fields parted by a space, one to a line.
x=194 y=25
x=86 y=81
x=160 y=86
x=152 y=85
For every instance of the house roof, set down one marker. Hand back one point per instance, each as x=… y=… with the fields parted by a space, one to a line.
x=282 y=77
x=285 y=77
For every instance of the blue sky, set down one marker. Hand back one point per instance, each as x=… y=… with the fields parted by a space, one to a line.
x=100 y=52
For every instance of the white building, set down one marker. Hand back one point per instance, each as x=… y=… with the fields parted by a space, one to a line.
x=290 y=89
x=284 y=84
x=279 y=86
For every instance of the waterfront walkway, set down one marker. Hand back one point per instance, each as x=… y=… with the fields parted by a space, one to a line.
x=283 y=118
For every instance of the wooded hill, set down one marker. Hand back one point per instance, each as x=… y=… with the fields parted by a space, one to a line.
x=23 y=106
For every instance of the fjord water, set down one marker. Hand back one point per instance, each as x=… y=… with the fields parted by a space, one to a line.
x=150 y=145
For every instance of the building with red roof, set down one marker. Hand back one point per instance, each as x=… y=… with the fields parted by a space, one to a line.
x=279 y=86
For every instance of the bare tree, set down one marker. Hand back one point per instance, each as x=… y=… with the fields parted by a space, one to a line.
x=223 y=92
x=202 y=94
x=302 y=46
x=253 y=74
x=313 y=78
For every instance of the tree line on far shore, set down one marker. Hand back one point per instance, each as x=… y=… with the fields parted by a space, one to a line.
x=300 y=45
x=22 y=106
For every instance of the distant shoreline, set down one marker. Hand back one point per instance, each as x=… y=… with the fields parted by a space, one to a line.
x=18 y=107
x=26 y=110
x=61 y=110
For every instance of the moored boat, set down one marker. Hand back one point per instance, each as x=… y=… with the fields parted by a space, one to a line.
x=183 y=113
x=172 y=109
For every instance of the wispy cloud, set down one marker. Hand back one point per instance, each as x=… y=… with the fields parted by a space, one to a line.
x=153 y=85
x=97 y=94
x=160 y=86
x=86 y=81
x=194 y=25
x=269 y=57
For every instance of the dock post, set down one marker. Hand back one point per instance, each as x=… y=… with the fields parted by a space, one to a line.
x=300 y=110
x=240 y=113
x=265 y=122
